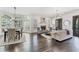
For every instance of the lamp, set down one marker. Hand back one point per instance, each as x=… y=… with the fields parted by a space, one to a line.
x=14 y=13
x=14 y=16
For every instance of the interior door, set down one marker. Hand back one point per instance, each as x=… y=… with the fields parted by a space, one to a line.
x=59 y=24
x=76 y=25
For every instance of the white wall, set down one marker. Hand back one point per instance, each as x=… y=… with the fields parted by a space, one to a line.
x=68 y=17
x=47 y=19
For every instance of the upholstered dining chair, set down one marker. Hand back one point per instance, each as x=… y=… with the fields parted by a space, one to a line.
x=11 y=35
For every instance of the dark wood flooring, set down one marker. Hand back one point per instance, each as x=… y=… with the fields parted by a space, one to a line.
x=37 y=43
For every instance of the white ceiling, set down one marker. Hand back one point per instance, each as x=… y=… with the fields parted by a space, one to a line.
x=38 y=11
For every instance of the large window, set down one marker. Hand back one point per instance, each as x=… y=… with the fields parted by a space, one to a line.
x=30 y=24
x=6 y=21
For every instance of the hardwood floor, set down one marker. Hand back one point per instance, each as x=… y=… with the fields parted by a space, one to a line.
x=37 y=43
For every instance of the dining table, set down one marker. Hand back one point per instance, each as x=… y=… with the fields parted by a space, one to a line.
x=10 y=32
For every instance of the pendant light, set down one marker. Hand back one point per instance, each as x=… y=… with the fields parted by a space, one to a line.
x=14 y=13
x=14 y=17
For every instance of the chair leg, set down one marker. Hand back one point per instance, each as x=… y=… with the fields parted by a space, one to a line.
x=19 y=35
x=4 y=36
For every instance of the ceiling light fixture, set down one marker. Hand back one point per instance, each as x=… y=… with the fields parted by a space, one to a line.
x=14 y=13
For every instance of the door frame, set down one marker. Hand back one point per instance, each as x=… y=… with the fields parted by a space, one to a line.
x=73 y=25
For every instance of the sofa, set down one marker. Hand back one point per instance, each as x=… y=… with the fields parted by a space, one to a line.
x=59 y=35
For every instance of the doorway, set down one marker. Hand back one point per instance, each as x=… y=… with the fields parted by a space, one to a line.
x=76 y=25
x=59 y=24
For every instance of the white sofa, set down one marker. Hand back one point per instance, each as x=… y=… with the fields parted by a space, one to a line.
x=59 y=35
